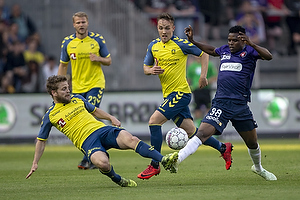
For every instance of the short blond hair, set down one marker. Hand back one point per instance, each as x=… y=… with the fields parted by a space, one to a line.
x=80 y=14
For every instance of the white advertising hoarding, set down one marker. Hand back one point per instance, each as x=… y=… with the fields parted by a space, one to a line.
x=276 y=112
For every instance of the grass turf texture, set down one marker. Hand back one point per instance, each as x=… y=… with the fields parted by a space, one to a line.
x=200 y=176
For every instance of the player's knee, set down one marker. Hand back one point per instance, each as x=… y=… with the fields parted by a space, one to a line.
x=203 y=135
x=152 y=121
x=127 y=140
x=133 y=140
x=103 y=166
x=100 y=160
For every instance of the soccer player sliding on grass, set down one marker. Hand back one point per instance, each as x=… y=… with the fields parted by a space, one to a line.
x=237 y=65
x=75 y=117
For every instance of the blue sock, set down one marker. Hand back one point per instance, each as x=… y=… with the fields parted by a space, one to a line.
x=148 y=152
x=214 y=143
x=111 y=174
x=85 y=158
x=156 y=141
x=156 y=136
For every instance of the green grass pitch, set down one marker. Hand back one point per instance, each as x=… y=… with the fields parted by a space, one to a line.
x=200 y=176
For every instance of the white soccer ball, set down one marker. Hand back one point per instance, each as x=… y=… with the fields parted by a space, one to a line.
x=176 y=138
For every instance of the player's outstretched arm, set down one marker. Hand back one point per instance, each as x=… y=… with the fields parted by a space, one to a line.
x=39 y=150
x=204 y=47
x=263 y=52
x=101 y=114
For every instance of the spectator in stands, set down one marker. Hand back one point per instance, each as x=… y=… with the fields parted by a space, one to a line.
x=32 y=53
x=212 y=12
x=231 y=10
x=4 y=11
x=252 y=20
x=293 y=23
x=250 y=23
x=259 y=6
x=37 y=38
x=6 y=86
x=49 y=68
x=15 y=66
x=183 y=11
x=250 y=16
x=12 y=36
x=26 y=25
x=276 y=10
x=153 y=7
x=139 y=4
x=30 y=82
x=3 y=46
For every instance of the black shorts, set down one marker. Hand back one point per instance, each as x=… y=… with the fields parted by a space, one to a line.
x=202 y=97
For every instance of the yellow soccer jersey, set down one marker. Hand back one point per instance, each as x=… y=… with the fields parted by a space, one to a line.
x=172 y=57
x=73 y=119
x=85 y=73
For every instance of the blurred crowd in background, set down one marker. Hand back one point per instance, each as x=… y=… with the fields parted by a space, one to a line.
x=24 y=67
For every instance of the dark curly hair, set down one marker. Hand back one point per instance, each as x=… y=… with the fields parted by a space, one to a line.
x=237 y=29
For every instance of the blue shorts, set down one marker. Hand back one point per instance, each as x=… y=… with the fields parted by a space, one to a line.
x=101 y=140
x=223 y=110
x=176 y=107
x=94 y=96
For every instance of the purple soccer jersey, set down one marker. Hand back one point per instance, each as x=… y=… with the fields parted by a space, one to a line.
x=236 y=72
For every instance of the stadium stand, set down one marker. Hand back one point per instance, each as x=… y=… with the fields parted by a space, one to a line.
x=128 y=31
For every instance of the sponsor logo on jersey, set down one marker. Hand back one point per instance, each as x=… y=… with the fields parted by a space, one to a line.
x=61 y=122
x=74 y=101
x=216 y=119
x=225 y=57
x=73 y=56
x=243 y=54
x=231 y=67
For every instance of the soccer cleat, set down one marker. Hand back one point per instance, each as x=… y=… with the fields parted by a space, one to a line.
x=149 y=172
x=174 y=167
x=127 y=183
x=169 y=162
x=227 y=155
x=265 y=174
x=84 y=164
